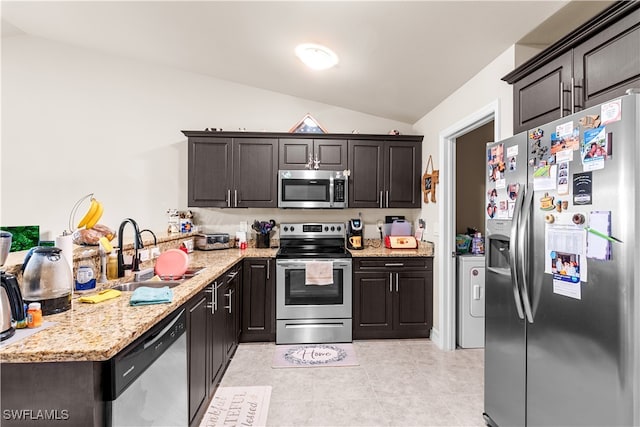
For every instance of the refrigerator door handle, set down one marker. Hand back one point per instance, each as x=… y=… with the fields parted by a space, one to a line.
x=522 y=245
x=513 y=253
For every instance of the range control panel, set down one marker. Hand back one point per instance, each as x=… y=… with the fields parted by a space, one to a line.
x=312 y=230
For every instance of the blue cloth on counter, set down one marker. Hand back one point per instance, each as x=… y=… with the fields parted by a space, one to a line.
x=145 y=295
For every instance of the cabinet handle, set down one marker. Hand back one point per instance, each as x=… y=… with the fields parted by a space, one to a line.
x=232 y=276
x=228 y=197
x=229 y=295
x=387 y=198
x=561 y=100
x=381 y=199
x=214 y=289
x=390 y=282
x=573 y=98
x=394 y=264
x=396 y=282
x=268 y=267
x=235 y=198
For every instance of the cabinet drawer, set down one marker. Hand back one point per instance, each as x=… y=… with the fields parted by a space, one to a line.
x=421 y=263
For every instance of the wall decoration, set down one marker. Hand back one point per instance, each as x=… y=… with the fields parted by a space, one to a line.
x=429 y=181
x=307 y=125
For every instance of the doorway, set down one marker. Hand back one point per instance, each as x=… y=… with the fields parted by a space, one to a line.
x=469 y=184
x=446 y=335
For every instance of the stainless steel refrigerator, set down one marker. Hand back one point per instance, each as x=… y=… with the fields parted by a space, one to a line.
x=562 y=329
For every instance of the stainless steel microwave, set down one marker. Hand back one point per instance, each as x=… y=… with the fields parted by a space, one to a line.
x=312 y=189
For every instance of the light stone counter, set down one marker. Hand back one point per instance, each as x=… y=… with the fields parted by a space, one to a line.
x=96 y=332
x=375 y=248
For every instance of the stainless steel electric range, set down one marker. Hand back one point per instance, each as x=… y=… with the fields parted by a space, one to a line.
x=313 y=284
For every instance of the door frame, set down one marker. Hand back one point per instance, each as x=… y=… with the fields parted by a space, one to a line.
x=447 y=263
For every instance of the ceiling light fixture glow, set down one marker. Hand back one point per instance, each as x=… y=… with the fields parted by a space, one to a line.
x=316 y=56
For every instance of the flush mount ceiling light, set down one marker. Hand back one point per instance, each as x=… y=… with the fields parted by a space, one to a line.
x=316 y=56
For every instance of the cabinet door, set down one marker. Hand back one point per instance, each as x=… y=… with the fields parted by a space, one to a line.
x=372 y=305
x=209 y=172
x=231 y=314
x=608 y=64
x=217 y=348
x=543 y=95
x=366 y=183
x=332 y=153
x=197 y=351
x=255 y=167
x=294 y=153
x=403 y=175
x=258 y=314
x=413 y=304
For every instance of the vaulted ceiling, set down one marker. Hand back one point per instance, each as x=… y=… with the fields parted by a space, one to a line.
x=398 y=59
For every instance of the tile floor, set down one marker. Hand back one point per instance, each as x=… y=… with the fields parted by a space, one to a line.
x=398 y=383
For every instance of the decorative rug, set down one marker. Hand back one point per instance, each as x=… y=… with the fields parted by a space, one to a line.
x=238 y=406
x=314 y=355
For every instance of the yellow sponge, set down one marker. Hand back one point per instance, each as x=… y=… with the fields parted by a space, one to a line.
x=106 y=245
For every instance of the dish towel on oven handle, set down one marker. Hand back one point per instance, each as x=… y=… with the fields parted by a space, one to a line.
x=318 y=273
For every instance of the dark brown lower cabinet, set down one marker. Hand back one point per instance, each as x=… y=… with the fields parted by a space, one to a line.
x=258 y=300
x=197 y=352
x=392 y=298
x=213 y=328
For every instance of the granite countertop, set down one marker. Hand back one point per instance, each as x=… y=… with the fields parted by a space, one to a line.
x=375 y=248
x=97 y=332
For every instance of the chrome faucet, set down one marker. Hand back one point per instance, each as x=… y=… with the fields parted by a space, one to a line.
x=137 y=244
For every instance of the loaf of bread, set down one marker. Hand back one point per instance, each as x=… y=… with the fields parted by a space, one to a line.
x=91 y=236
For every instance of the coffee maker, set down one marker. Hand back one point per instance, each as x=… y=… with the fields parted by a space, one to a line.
x=355 y=234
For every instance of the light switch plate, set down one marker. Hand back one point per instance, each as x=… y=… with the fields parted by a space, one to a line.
x=144 y=254
x=155 y=252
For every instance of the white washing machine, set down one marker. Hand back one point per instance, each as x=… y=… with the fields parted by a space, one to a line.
x=470 y=306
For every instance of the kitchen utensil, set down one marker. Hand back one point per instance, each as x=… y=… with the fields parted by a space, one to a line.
x=47 y=279
x=11 y=305
x=5 y=245
x=172 y=263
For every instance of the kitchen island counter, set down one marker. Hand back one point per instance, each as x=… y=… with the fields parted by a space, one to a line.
x=97 y=332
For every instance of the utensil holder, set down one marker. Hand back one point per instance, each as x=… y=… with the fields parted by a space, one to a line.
x=263 y=240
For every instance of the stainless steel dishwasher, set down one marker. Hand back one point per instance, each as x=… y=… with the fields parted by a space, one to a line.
x=148 y=379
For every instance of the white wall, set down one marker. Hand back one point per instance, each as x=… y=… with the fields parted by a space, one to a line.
x=76 y=121
x=483 y=89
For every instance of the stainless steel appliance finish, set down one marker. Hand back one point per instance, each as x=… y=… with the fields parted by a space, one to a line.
x=47 y=279
x=11 y=305
x=149 y=378
x=313 y=313
x=212 y=241
x=5 y=246
x=551 y=359
x=312 y=189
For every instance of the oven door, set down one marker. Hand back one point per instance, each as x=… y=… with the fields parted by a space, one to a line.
x=296 y=300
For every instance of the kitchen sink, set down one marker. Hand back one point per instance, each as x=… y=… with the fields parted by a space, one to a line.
x=187 y=274
x=132 y=286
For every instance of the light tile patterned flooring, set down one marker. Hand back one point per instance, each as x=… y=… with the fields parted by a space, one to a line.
x=398 y=383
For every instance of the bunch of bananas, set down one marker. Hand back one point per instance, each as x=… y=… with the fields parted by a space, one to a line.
x=93 y=215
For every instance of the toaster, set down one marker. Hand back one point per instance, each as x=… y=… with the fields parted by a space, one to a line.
x=212 y=241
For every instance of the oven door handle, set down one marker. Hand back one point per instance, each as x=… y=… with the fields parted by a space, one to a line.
x=302 y=264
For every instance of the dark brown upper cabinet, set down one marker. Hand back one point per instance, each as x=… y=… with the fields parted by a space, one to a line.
x=385 y=174
x=331 y=154
x=597 y=62
x=234 y=172
x=239 y=169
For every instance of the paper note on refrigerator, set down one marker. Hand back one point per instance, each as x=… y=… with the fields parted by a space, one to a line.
x=567 y=243
x=598 y=247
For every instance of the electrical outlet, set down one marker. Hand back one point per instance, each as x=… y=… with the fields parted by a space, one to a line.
x=155 y=252
x=144 y=255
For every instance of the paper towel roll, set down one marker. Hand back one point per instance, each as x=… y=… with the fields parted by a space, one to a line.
x=65 y=242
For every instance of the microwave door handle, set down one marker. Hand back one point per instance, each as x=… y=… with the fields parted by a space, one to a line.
x=331 y=191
